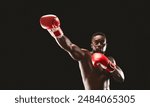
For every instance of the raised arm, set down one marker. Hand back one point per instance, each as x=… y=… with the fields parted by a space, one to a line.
x=52 y=24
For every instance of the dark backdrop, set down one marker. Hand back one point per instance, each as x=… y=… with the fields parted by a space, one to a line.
x=31 y=59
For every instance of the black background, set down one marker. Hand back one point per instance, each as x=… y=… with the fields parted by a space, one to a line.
x=31 y=59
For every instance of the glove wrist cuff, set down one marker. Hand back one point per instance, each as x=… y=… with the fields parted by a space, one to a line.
x=56 y=32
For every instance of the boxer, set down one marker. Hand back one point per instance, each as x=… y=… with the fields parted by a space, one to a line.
x=96 y=68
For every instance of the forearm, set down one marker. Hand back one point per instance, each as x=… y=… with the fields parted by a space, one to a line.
x=64 y=43
x=52 y=24
x=118 y=74
x=109 y=65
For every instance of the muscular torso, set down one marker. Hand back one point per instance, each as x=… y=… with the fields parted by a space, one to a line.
x=93 y=78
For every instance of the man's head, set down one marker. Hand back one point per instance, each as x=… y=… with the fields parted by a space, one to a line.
x=98 y=42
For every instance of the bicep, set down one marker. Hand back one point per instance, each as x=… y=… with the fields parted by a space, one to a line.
x=75 y=52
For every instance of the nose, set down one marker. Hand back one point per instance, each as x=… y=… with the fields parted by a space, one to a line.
x=99 y=44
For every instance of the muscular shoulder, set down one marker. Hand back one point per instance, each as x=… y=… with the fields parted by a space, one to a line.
x=85 y=51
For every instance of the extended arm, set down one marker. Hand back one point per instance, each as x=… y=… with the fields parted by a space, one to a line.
x=52 y=24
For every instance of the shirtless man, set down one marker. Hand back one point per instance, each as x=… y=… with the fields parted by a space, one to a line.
x=96 y=68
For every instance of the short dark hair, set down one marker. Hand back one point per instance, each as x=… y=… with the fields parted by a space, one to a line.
x=98 y=33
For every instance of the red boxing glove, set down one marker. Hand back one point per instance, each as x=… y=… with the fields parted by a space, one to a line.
x=52 y=24
x=99 y=58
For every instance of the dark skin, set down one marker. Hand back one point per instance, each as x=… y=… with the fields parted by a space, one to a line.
x=93 y=78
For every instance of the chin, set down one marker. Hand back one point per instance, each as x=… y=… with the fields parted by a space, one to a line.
x=99 y=51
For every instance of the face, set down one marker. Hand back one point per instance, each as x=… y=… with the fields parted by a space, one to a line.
x=98 y=43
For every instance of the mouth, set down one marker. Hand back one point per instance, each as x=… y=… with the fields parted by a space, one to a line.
x=99 y=50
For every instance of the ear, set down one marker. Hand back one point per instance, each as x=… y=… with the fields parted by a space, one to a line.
x=104 y=48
